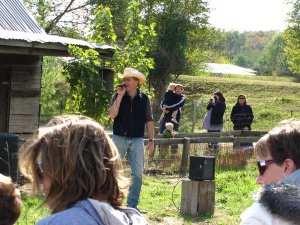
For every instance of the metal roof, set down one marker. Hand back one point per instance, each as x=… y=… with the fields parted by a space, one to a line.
x=217 y=68
x=46 y=38
x=19 y=28
x=15 y=17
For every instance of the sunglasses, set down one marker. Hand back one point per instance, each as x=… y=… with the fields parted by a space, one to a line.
x=263 y=164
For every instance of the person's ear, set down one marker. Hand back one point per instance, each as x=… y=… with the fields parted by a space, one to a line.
x=289 y=166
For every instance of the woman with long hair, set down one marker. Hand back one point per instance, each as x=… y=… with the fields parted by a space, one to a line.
x=77 y=166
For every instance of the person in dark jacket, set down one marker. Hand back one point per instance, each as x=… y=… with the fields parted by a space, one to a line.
x=241 y=114
x=242 y=117
x=177 y=104
x=217 y=106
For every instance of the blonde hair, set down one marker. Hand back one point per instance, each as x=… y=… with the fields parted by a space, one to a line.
x=78 y=158
x=169 y=126
x=170 y=85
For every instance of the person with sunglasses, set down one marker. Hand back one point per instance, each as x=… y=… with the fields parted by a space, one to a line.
x=278 y=201
x=242 y=118
x=78 y=168
x=241 y=114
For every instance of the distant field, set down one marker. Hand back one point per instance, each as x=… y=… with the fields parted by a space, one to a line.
x=272 y=99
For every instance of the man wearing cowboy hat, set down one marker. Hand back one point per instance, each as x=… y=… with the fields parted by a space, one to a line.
x=131 y=110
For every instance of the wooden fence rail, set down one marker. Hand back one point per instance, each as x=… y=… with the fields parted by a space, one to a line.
x=214 y=137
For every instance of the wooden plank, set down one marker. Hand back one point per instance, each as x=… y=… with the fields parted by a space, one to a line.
x=23 y=124
x=26 y=93
x=206 y=197
x=194 y=198
x=189 y=196
x=24 y=106
x=171 y=141
x=185 y=155
x=184 y=196
x=218 y=134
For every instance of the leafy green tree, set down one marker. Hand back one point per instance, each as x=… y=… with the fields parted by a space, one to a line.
x=292 y=38
x=55 y=88
x=175 y=21
x=273 y=59
x=88 y=93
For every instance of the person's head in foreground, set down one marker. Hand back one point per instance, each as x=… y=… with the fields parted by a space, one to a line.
x=73 y=159
x=278 y=201
x=278 y=153
x=10 y=201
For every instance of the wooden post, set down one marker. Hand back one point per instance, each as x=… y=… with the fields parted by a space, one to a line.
x=197 y=197
x=185 y=155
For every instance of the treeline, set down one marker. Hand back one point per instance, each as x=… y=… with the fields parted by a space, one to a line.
x=262 y=51
x=161 y=38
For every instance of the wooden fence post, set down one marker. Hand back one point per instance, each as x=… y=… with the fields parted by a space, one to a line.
x=185 y=155
x=197 y=197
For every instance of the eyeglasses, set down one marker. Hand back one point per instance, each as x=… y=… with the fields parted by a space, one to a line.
x=263 y=164
x=241 y=98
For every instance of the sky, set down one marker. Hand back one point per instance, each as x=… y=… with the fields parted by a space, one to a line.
x=248 y=15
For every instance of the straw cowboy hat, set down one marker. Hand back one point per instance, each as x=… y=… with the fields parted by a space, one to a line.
x=130 y=72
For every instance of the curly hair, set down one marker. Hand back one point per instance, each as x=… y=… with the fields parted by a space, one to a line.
x=78 y=158
x=10 y=201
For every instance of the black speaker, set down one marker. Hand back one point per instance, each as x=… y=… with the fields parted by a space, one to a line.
x=202 y=168
x=9 y=155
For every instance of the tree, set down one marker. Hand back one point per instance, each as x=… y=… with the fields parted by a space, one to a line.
x=175 y=21
x=292 y=38
x=88 y=94
x=273 y=59
x=59 y=16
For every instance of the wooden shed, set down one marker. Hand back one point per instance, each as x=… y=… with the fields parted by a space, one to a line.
x=23 y=43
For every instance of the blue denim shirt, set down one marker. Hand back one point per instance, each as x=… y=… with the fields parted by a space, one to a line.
x=81 y=213
x=93 y=212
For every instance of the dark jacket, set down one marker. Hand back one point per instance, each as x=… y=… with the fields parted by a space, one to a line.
x=241 y=116
x=177 y=103
x=217 y=112
x=132 y=116
x=170 y=98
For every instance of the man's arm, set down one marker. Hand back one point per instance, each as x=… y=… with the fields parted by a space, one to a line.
x=149 y=128
x=116 y=101
x=150 y=132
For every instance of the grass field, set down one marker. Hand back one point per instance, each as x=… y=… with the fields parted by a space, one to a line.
x=273 y=99
x=161 y=197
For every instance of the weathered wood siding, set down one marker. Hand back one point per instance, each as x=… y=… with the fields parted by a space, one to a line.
x=25 y=94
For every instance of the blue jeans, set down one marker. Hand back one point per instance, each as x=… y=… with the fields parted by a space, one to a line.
x=134 y=147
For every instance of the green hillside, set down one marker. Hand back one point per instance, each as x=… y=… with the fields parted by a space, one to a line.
x=272 y=99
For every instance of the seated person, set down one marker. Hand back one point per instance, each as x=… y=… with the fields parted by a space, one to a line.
x=78 y=167
x=10 y=201
x=278 y=164
x=169 y=131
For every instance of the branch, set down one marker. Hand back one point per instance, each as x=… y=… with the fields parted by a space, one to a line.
x=68 y=9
